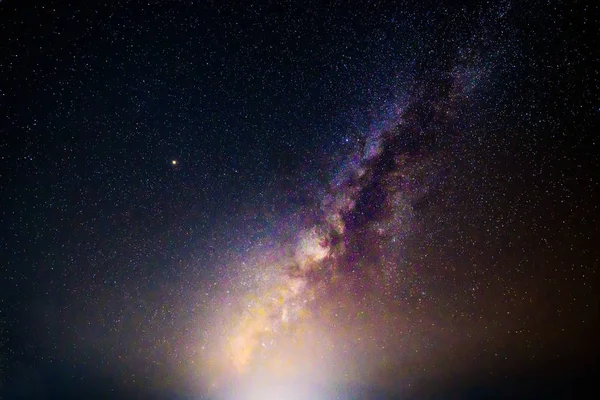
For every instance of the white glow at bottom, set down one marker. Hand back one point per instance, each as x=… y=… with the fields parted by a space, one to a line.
x=278 y=392
x=265 y=389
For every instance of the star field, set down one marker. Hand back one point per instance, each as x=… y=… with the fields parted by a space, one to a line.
x=242 y=200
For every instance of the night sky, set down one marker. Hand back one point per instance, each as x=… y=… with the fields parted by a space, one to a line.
x=298 y=200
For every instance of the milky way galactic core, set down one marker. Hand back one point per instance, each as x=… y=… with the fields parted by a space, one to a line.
x=343 y=299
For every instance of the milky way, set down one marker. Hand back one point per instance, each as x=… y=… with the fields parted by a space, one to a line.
x=307 y=200
x=332 y=304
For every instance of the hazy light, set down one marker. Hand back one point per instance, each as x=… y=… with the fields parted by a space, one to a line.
x=279 y=392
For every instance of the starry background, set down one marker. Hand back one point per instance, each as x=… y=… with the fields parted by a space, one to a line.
x=115 y=259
